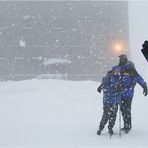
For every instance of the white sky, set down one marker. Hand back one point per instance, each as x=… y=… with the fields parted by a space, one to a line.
x=138 y=29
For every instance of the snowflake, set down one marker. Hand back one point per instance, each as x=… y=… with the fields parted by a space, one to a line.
x=26 y=17
x=50 y=31
x=40 y=58
x=74 y=29
x=13 y=25
x=120 y=31
x=22 y=42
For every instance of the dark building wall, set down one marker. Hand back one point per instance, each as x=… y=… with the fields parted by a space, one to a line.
x=32 y=33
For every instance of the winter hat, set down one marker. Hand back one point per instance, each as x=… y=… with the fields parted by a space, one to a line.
x=123 y=56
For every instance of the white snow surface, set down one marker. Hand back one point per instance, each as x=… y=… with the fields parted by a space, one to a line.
x=57 y=113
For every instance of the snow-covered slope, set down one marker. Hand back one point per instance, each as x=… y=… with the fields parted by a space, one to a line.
x=56 y=113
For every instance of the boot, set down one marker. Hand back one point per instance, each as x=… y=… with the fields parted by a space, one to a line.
x=110 y=131
x=101 y=127
x=99 y=132
x=126 y=130
x=123 y=129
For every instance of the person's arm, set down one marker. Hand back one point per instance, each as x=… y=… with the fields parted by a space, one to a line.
x=142 y=83
x=99 y=89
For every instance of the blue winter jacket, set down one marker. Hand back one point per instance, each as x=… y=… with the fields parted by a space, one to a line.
x=128 y=81
x=110 y=85
x=122 y=68
x=128 y=84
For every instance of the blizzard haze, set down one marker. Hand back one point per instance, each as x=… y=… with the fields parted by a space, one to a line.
x=138 y=32
x=58 y=113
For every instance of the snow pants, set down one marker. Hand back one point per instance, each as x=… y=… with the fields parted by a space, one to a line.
x=109 y=115
x=125 y=108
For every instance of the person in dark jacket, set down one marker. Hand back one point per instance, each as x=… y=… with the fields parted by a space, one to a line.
x=124 y=63
x=111 y=98
x=129 y=79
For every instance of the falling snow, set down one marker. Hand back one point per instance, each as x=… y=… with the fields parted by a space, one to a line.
x=22 y=43
x=52 y=30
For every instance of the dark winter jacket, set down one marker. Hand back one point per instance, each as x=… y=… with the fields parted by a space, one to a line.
x=125 y=67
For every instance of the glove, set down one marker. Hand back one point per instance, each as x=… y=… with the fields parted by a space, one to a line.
x=145 y=91
x=145 y=44
x=99 y=88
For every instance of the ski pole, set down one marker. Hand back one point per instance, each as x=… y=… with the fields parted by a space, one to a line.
x=119 y=122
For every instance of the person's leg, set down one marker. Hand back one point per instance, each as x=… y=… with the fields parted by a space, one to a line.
x=122 y=108
x=104 y=118
x=112 y=117
x=126 y=112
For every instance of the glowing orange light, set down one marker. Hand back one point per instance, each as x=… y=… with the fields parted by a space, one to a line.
x=117 y=46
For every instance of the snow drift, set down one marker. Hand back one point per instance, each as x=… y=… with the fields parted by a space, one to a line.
x=56 y=113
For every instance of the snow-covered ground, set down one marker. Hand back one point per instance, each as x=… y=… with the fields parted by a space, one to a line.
x=56 y=113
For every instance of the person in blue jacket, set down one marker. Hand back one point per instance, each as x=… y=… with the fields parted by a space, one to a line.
x=129 y=79
x=111 y=87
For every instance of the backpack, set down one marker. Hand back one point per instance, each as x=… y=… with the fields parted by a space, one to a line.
x=131 y=64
